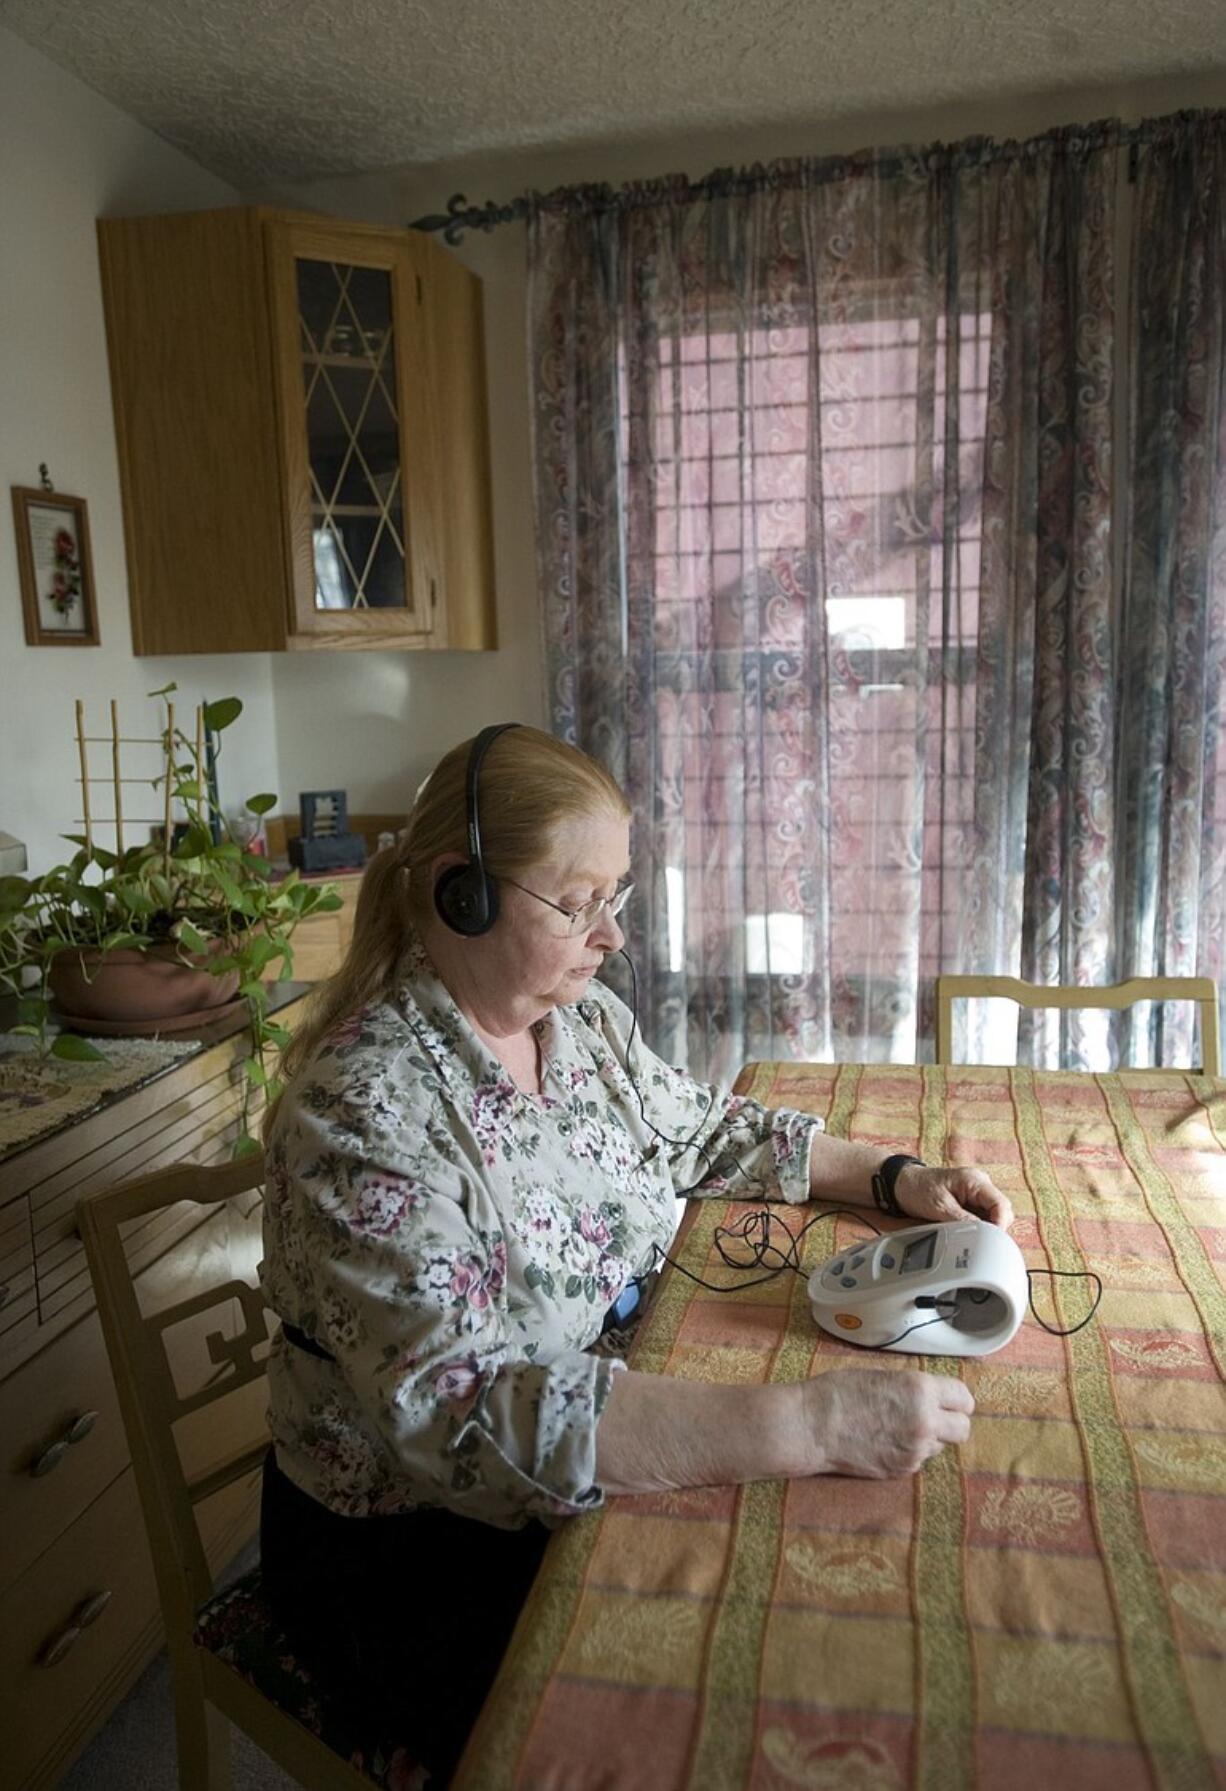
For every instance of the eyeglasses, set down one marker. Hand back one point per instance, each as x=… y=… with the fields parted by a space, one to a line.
x=582 y=920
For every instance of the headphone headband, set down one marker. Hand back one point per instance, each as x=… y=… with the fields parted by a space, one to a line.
x=481 y=745
x=465 y=897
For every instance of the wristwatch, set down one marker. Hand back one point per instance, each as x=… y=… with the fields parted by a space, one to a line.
x=885 y=1178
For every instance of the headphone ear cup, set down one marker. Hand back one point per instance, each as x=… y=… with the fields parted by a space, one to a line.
x=466 y=901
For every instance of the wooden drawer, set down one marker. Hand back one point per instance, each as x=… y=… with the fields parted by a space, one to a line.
x=64 y=1284
x=202 y=1132
x=39 y=1405
x=188 y=1114
x=18 y=1305
x=104 y=1551
x=41 y=1401
x=78 y=1530
x=50 y=1708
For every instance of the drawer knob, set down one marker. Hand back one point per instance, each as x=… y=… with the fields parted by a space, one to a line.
x=80 y=1427
x=59 y=1646
x=87 y=1612
x=51 y=1457
x=92 y=1609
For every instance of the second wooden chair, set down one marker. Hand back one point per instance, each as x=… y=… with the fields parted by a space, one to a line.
x=1200 y=989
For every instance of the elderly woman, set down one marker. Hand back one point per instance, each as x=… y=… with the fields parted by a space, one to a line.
x=469 y=1167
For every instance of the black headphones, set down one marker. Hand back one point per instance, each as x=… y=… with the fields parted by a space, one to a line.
x=465 y=896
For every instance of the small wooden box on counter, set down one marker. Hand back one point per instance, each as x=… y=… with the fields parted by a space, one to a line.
x=79 y=1615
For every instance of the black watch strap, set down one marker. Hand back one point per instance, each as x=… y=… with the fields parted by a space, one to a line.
x=884 y=1180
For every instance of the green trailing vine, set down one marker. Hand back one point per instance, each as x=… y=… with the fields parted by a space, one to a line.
x=199 y=892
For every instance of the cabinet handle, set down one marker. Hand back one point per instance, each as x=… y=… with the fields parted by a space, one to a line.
x=433 y=593
x=93 y=1608
x=86 y=1613
x=59 y=1646
x=80 y=1427
x=51 y=1457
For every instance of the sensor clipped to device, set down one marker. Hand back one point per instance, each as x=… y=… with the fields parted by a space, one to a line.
x=939 y=1290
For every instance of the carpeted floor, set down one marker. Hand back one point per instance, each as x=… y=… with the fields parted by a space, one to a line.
x=136 y=1749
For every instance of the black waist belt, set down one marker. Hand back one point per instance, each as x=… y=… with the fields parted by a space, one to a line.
x=618 y=1314
x=301 y=1341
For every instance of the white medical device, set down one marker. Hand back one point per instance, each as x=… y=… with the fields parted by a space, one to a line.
x=935 y=1290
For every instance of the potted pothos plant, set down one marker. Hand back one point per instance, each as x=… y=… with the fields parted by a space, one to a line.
x=179 y=925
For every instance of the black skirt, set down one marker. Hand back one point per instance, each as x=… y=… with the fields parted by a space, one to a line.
x=403 y=1619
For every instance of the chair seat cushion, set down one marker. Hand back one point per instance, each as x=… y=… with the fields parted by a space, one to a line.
x=238 y=1626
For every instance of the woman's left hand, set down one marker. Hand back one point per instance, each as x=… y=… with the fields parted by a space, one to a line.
x=951 y=1193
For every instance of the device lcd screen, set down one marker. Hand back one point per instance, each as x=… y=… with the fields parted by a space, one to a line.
x=919 y=1254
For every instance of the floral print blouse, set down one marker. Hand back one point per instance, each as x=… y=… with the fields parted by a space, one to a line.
x=454 y=1245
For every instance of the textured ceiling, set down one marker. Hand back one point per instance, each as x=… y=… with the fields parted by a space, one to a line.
x=265 y=90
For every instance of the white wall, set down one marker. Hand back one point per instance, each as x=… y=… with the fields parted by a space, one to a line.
x=371 y=722
x=68 y=156
x=389 y=717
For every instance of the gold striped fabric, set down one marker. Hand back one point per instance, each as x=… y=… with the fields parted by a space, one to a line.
x=1044 y=1607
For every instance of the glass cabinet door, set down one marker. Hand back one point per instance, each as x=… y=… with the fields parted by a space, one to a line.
x=350 y=430
x=353 y=435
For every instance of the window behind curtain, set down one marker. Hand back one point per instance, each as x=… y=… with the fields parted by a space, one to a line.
x=774 y=478
x=879 y=603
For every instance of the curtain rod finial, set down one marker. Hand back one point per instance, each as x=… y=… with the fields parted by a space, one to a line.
x=461 y=216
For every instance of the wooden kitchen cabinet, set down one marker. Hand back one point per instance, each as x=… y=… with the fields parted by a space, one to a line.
x=300 y=412
x=79 y=1614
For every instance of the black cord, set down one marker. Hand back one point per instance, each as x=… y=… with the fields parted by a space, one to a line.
x=681 y=1144
x=940 y=1319
x=1065 y=1275
x=754 y=1229
x=753 y=1224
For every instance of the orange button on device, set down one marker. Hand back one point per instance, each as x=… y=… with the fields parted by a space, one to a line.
x=848 y=1320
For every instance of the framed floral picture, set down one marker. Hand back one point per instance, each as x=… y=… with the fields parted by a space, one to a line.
x=57 y=573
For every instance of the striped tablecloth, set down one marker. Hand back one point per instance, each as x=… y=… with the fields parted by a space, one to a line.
x=1043 y=1608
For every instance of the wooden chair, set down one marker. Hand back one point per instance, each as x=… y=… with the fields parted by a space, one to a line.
x=229 y=1659
x=1201 y=989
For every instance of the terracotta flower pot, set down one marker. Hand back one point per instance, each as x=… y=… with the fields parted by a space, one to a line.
x=135 y=987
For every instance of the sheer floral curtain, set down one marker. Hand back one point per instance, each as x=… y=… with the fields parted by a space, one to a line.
x=823 y=476
x=1172 y=839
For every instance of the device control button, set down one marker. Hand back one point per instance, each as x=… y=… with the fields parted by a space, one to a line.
x=856 y=1262
x=848 y=1320
x=836 y=1268
x=849 y=1281
x=887 y=1262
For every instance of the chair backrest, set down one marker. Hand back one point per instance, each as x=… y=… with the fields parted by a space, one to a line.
x=149 y=1395
x=1201 y=989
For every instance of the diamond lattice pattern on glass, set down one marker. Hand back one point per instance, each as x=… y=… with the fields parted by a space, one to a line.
x=349 y=387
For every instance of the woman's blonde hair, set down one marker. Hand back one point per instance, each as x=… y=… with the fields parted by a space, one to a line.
x=529 y=783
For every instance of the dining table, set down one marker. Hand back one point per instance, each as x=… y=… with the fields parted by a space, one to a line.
x=1043 y=1606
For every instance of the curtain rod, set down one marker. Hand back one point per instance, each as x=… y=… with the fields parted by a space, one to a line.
x=759 y=176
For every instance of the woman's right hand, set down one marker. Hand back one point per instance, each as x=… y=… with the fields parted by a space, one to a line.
x=659 y=1432
x=879 y=1423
